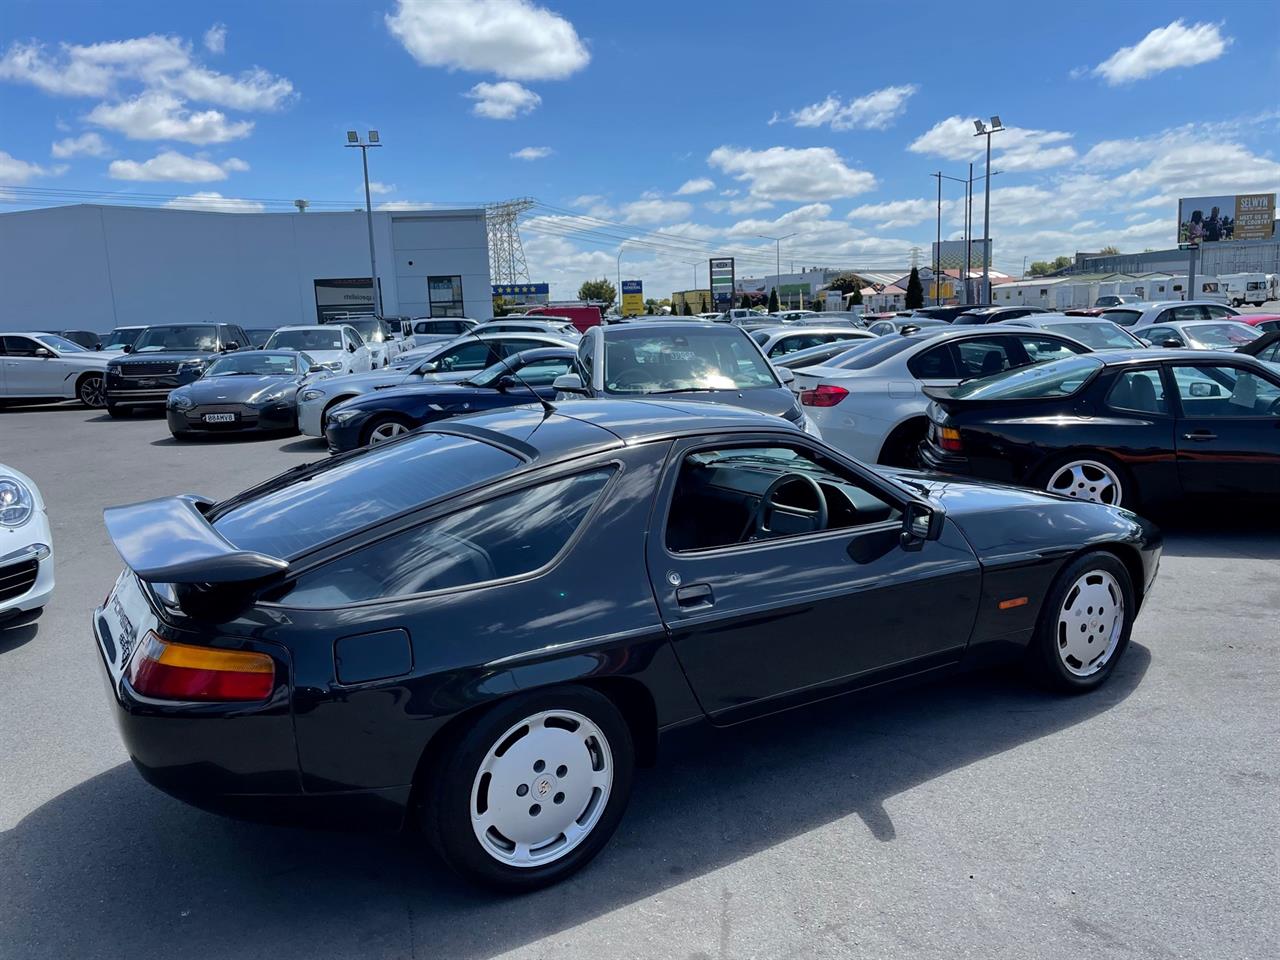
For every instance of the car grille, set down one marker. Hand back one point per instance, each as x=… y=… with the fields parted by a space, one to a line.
x=147 y=369
x=17 y=578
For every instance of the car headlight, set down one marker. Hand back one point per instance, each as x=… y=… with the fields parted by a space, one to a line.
x=180 y=402
x=309 y=395
x=343 y=416
x=332 y=365
x=16 y=503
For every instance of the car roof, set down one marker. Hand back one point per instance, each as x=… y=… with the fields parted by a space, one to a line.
x=792 y=329
x=1136 y=355
x=310 y=326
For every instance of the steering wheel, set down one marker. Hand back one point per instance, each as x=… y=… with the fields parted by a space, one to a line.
x=761 y=523
x=630 y=378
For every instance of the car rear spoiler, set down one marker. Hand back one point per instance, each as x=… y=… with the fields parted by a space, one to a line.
x=170 y=541
x=942 y=394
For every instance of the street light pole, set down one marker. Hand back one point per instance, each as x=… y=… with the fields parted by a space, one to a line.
x=983 y=130
x=777 y=250
x=353 y=140
x=618 y=292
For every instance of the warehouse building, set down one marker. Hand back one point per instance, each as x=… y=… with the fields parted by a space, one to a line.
x=1218 y=259
x=93 y=267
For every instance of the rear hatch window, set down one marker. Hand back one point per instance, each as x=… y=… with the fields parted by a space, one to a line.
x=1059 y=378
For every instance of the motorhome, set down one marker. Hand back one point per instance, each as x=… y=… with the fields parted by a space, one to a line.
x=1250 y=288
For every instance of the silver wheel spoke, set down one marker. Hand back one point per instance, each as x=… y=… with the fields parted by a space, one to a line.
x=1087 y=480
x=1090 y=623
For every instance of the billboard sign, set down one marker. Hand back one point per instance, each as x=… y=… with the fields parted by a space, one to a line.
x=1245 y=216
x=632 y=298
x=949 y=254
x=722 y=282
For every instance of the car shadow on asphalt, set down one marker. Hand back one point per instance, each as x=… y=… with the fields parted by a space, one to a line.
x=17 y=630
x=217 y=439
x=114 y=868
x=304 y=444
x=1249 y=532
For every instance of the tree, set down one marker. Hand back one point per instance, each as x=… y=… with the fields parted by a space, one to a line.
x=1109 y=251
x=773 y=300
x=746 y=302
x=846 y=283
x=688 y=308
x=601 y=290
x=650 y=306
x=1041 y=268
x=706 y=304
x=914 y=299
x=855 y=297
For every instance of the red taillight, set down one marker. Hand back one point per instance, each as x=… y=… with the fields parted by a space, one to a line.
x=949 y=439
x=179 y=671
x=823 y=395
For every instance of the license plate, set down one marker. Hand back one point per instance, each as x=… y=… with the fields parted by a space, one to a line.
x=126 y=618
x=219 y=418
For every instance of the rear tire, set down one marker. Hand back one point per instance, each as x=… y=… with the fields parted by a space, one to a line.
x=1091 y=476
x=531 y=791
x=903 y=443
x=1084 y=626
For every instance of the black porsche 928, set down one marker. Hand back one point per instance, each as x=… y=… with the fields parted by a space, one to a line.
x=479 y=629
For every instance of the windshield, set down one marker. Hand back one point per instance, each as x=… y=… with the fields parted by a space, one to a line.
x=120 y=338
x=181 y=339
x=1228 y=335
x=306 y=338
x=1100 y=336
x=254 y=363
x=1059 y=378
x=1125 y=318
x=61 y=344
x=641 y=361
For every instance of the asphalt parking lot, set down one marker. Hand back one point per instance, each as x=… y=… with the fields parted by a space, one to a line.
x=973 y=817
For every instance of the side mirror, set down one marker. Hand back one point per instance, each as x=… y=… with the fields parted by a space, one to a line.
x=569 y=383
x=504 y=383
x=232 y=345
x=921 y=521
x=1172 y=342
x=97 y=346
x=351 y=348
x=785 y=375
x=44 y=353
x=429 y=367
x=128 y=348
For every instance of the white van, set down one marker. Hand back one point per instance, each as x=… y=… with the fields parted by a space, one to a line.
x=1242 y=288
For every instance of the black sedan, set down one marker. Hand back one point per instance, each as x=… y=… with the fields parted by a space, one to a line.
x=479 y=629
x=369 y=418
x=1129 y=428
x=253 y=390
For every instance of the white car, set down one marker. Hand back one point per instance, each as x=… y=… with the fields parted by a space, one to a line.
x=872 y=406
x=453 y=360
x=26 y=546
x=45 y=366
x=1198 y=334
x=428 y=330
x=336 y=347
x=777 y=342
x=553 y=325
x=377 y=335
x=1166 y=311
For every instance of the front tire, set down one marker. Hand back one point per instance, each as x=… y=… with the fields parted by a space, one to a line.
x=116 y=411
x=385 y=428
x=92 y=391
x=532 y=791
x=1084 y=624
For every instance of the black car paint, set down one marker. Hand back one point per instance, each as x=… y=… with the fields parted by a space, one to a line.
x=794 y=621
x=234 y=394
x=145 y=379
x=421 y=403
x=1015 y=441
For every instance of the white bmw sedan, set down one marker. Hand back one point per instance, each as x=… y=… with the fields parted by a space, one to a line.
x=26 y=546
x=336 y=347
x=45 y=366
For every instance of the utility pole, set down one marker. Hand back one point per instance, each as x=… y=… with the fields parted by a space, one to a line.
x=1192 y=250
x=353 y=140
x=777 y=251
x=937 y=248
x=983 y=130
x=968 y=234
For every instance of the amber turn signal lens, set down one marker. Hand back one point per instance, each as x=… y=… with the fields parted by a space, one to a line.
x=949 y=439
x=165 y=670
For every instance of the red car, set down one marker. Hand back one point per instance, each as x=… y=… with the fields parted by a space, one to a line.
x=583 y=317
x=1266 y=322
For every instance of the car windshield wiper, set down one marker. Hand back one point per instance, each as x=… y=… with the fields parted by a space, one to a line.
x=690 y=390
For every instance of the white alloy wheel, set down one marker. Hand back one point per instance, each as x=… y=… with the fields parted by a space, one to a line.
x=541 y=788
x=1087 y=480
x=387 y=431
x=1090 y=623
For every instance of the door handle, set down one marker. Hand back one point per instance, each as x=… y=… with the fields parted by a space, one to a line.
x=695 y=595
x=1200 y=435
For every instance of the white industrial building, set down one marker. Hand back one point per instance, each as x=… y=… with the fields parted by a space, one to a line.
x=93 y=267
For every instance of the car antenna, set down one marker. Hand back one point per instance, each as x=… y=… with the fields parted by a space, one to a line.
x=548 y=408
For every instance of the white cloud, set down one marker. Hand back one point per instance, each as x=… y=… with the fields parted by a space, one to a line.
x=785 y=173
x=699 y=185
x=403 y=205
x=512 y=38
x=655 y=211
x=212 y=200
x=532 y=153
x=14 y=171
x=898 y=213
x=171 y=165
x=85 y=145
x=874 y=111
x=156 y=62
x=155 y=115
x=694 y=231
x=377 y=187
x=1013 y=148
x=745 y=205
x=1164 y=48
x=502 y=100
x=215 y=38
x=596 y=205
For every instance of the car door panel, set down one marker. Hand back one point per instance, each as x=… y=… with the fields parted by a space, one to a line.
x=764 y=625
x=1222 y=449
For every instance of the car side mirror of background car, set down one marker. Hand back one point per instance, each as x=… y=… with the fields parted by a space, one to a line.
x=97 y=346
x=569 y=383
x=128 y=348
x=920 y=522
x=233 y=345
x=1172 y=342
x=351 y=348
x=429 y=367
x=504 y=383
x=785 y=375
x=43 y=353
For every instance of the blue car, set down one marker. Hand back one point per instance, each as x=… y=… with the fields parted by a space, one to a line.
x=526 y=377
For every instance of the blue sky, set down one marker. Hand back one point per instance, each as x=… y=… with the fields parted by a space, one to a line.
x=684 y=129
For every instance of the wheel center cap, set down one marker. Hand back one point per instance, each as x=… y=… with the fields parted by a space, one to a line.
x=542 y=787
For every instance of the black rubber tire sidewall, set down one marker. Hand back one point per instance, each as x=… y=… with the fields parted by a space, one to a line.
x=1042 y=654
x=445 y=816
x=1129 y=494
x=115 y=410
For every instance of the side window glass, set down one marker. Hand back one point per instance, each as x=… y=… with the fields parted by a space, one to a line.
x=982 y=358
x=584 y=359
x=1042 y=349
x=717 y=501
x=475 y=355
x=1225 y=392
x=354 y=334
x=542 y=372
x=1191 y=312
x=1140 y=390
x=1218 y=313
x=19 y=347
x=506 y=537
x=935 y=364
